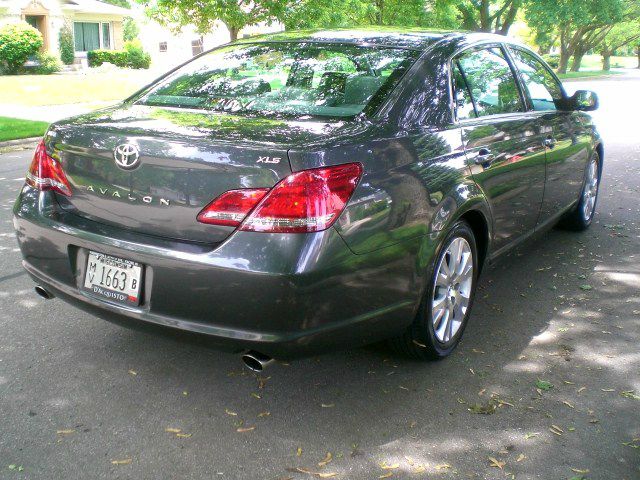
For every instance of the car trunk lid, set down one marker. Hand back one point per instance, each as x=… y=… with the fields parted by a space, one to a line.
x=184 y=163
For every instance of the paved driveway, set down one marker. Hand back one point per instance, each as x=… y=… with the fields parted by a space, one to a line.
x=550 y=356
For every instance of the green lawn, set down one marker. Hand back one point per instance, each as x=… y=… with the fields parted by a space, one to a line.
x=586 y=74
x=594 y=62
x=14 y=128
x=35 y=90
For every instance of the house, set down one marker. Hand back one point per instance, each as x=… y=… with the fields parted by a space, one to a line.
x=94 y=24
x=168 y=48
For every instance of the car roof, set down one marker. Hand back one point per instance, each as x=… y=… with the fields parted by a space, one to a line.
x=412 y=38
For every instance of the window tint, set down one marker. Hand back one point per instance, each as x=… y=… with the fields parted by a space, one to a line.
x=292 y=79
x=464 y=103
x=543 y=89
x=491 y=82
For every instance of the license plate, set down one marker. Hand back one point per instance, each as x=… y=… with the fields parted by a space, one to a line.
x=113 y=278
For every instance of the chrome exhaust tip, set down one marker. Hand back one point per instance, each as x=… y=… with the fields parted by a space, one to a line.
x=43 y=292
x=256 y=361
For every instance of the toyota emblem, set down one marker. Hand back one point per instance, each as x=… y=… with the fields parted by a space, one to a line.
x=126 y=156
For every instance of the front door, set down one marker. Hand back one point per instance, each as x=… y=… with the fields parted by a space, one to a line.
x=503 y=143
x=566 y=138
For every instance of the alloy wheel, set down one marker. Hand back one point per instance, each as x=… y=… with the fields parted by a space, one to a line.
x=590 y=190
x=452 y=291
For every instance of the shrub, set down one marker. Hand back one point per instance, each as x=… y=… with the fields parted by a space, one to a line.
x=133 y=56
x=95 y=58
x=137 y=57
x=553 y=59
x=65 y=40
x=18 y=41
x=47 y=64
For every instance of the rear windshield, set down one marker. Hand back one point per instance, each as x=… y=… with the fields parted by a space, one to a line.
x=285 y=79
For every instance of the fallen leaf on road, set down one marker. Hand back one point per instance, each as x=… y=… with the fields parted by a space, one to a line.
x=264 y=414
x=133 y=372
x=556 y=429
x=183 y=435
x=299 y=452
x=386 y=466
x=316 y=474
x=245 y=429
x=543 y=385
x=521 y=457
x=496 y=463
x=65 y=432
x=568 y=404
x=325 y=460
x=229 y=412
x=386 y=475
x=173 y=430
x=125 y=461
x=327 y=405
x=630 y=394
x=577 y=470
x=443 y=466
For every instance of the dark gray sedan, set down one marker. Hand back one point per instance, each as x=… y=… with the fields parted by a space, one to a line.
x=293 y=193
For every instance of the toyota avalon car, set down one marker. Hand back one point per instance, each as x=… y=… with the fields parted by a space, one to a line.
x=293 y=193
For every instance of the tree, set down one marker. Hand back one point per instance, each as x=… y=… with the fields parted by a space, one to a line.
x=130 y=30
x=119 y=3
x=354 y=13
x=581 y=25
x=203 y=14
x=327 y=14
x=619 y=36
x=495 y=16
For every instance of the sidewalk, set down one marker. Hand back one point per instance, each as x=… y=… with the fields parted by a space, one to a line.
x=50 y=113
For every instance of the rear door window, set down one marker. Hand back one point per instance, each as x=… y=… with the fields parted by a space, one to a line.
x=490 y=81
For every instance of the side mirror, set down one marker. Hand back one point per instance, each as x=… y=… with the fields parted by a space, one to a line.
x=584 y=100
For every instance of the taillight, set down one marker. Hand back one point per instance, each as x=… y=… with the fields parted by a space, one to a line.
x=45 y=173
x=305 y=201
x=231 y=207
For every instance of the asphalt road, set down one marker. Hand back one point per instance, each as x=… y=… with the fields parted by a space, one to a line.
x=78 y=394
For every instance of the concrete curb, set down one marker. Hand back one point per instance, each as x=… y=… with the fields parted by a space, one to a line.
x=20 y=142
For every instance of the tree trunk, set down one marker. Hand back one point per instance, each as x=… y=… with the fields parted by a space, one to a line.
x=233 y=33
x=564 y=61
x=577 y=60
x=638 y=53
x=564 y=52
x=606 y=53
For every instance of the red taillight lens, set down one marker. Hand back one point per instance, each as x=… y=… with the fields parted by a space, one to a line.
x=231 y=207
x=305 y=201
x=45 y=173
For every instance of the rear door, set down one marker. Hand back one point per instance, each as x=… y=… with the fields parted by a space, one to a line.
x=566 y=139
x=503 y=143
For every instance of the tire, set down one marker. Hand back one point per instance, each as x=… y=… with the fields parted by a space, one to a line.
x=581 y=216
x=422 y=340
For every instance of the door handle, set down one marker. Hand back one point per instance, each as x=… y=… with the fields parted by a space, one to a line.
x=549 y=142
x=484 y=157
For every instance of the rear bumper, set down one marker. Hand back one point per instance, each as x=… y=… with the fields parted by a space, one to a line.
x=283 y=295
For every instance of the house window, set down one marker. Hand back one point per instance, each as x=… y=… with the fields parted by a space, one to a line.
x=106 y=36
x=91 y=36
x=163 y=46
x=196 y=47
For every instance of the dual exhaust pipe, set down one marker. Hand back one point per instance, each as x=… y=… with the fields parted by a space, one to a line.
x=43 y=292
x=254 y=361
